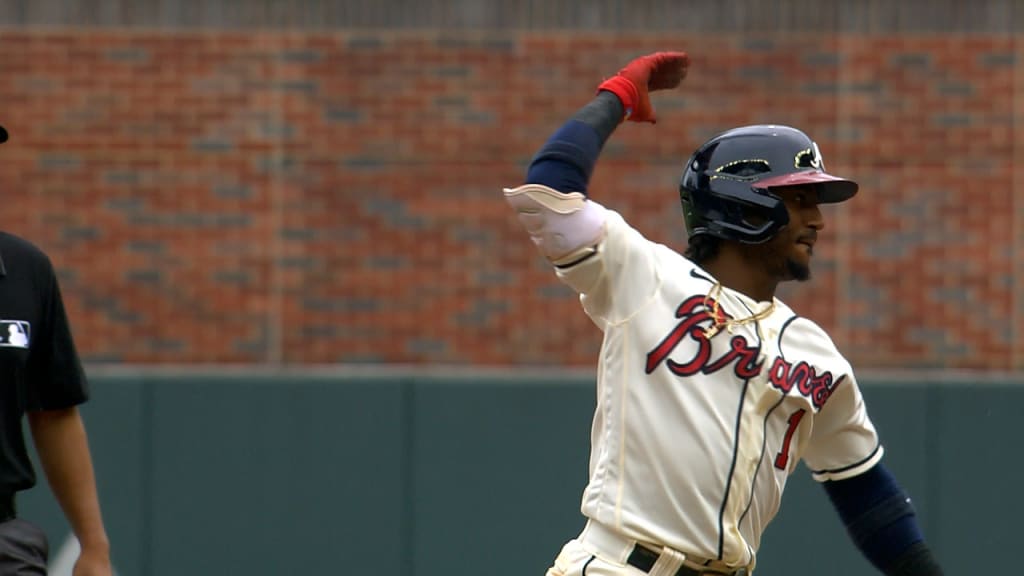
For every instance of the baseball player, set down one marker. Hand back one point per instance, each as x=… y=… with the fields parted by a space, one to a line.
x=710 y=389
x=42 y=382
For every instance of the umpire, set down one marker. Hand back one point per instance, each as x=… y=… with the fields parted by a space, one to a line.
x=41 y=376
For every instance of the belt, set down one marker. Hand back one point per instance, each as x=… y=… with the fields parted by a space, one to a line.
x=7 y=509
x=613 y=546
x=643 y=559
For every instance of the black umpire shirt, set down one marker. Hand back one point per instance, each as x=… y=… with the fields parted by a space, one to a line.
x=39 y=367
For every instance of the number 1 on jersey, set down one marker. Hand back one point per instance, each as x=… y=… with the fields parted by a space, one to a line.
x=782 y=458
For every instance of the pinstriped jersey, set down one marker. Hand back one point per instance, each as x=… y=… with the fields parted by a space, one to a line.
x=693 y=438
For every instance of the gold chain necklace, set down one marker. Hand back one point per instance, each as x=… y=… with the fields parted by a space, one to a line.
x=719 y=320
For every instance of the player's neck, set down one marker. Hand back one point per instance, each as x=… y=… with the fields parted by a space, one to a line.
x=736 y=274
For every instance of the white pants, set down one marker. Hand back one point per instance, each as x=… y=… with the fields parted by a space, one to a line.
x=574 y=559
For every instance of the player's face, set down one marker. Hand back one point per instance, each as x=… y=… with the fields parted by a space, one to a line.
x=790 y=252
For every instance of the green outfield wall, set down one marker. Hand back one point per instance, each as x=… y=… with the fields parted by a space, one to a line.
x=470 y=474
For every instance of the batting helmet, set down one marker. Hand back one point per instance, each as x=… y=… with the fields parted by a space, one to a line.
x=726 y=186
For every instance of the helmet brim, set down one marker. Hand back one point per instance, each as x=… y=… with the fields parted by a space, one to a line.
x=831 y=189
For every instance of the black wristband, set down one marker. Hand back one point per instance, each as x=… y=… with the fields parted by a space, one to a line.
x=604 y=114
x=917 y=560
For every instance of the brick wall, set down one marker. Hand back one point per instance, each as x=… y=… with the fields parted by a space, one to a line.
x=274 y=197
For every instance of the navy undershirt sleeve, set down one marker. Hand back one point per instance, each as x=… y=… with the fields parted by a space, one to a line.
x=567 y=159
x=854 y=496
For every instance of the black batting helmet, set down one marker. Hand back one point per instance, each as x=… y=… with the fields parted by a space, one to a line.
x=726 y=186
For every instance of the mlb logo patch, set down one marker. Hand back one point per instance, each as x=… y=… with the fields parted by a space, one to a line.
x=14 y=334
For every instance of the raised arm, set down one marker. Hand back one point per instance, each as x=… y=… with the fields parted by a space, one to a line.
x=552 y=204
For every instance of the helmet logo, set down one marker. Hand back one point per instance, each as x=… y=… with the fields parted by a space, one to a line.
x=809 y=158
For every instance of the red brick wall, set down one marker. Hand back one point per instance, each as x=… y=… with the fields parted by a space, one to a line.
x=285 y=198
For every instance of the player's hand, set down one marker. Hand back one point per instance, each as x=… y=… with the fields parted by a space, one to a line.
x=633 y=84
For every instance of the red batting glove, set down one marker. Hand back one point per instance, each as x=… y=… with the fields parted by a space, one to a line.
x=658 y=71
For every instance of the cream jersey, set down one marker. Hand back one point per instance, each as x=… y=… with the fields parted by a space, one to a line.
x=693 y=438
